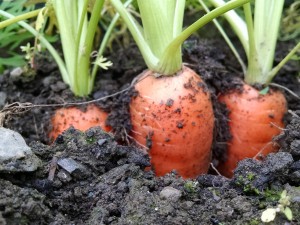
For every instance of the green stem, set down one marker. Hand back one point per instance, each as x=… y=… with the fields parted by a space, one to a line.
x=253 y=70
x=81 y=32
x=19 y=18
x=226 y=38
x=160 y=29
x=64 y=11
x=83 y=63
x=267 y=17
x=104 y=42
x=275 y=70
x=166 y=67
x=137 y=32
x=237 y=23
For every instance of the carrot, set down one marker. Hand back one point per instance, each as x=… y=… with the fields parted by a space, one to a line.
x=254 y=120
x=173 y=117
x=63 y=118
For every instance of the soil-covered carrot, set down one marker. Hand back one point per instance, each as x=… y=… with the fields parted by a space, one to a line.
x=254 y=119
x=172 y=113
x=175 y=122
x=80 y=119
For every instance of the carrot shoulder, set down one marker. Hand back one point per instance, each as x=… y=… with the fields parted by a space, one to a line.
x=63 y=118
x=254 y=120
x=173 y=117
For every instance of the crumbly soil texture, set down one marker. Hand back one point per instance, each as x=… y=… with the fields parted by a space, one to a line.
x=95 y=177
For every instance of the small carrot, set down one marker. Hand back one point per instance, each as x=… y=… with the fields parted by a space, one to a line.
x=63 y=118
x=254 y=119
x=175 y=122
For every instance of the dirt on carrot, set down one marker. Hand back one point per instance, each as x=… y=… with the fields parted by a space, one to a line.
x=254 y=120
x=173 y=118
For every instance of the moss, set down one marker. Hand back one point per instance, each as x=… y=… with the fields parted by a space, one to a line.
x=247 y=184
x=190 y=186
x=271 y=194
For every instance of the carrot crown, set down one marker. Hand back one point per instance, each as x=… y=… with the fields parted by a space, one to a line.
x=161 y=36
x=258 y=35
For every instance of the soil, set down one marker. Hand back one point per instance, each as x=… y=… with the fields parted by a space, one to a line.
x=110 y=184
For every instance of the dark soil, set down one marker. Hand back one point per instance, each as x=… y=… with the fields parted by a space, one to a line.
x=109 y=184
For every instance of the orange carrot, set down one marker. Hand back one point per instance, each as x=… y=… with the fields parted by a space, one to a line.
x=173 y=117
x=81 y=120
x=254 y=120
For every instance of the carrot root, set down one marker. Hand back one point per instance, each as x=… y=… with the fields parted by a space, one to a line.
x=254 y=120
x=173 y=117
x=81 y=120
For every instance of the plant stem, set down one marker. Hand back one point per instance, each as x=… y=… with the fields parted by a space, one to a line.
x=226 y=38
x=165 y=59
x=253 y=70
x=84 y=58
x=166 y=65
x=137 y=32
x=237 y=24
x=19 y=18
x=262 y=39
x=159 y=28
x=275 y=70
x=105 y=40
x=65 y=9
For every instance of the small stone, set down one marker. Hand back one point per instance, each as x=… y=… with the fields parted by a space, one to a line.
x=58 y=86
x=15 y=154
x=16 y=72
x=47 y=81
x=187 y=204
x=101 y=141
x=73 y=167
x=89 y=133
x=170 y=193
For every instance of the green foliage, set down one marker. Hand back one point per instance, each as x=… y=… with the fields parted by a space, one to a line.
x=282 y=207
x=11 y=37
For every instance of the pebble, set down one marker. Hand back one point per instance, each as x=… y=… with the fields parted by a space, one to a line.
x=170 y=193
x=16 y=72
x=73 y=167
x=15 y=154
x=101 y=141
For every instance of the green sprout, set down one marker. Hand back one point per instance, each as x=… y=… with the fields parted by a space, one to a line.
x=269 y=214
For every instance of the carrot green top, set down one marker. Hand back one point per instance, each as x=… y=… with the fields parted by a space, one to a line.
x=258 y=34
x=161 y=36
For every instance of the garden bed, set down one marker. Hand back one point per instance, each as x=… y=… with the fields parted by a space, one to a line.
x=110 y=184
